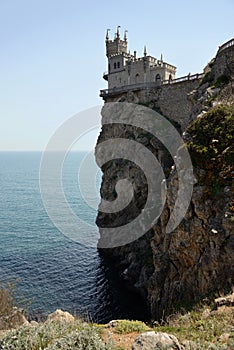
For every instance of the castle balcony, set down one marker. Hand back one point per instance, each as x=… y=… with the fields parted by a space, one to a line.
x=226 y=45
x=117 y=90
x=105 y=76
x=150 y=85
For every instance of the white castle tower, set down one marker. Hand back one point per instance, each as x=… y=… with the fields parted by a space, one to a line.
x=126 y=69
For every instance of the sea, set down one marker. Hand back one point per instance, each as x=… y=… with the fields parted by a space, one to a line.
x=49 y=268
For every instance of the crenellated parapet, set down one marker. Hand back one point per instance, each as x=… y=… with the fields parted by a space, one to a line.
x=125 y=68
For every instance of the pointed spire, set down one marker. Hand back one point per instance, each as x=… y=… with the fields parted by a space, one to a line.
x=161 y=58
x=125 y=35
x=117 y=33
x=145 y=52
x=107 y=34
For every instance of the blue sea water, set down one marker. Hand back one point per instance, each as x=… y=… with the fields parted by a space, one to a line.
x=54 y=271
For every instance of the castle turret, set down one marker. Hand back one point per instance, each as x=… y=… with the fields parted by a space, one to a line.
x=126 y=69
x=116 y=46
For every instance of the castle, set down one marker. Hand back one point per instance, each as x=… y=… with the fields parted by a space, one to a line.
x=147 y=80
x=151 y=82
x=126 y=69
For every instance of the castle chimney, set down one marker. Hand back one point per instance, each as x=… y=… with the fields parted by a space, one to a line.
x=135 y=55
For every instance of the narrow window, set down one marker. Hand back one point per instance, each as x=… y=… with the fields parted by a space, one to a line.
x=158 y=77
x=118 y=64
x=115 y=65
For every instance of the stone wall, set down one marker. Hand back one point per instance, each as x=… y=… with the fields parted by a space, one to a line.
x=171 y=100
x=223 y=62
x=141 y=70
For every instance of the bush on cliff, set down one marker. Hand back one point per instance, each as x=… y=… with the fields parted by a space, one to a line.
x=6 y=299
x=127 y=326
x=211 y=145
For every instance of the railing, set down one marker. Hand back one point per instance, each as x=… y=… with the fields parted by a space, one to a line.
x=149 y=85
x=226 y=45
x=185 y=78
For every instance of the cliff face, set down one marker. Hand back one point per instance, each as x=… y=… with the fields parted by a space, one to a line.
x=197 y=258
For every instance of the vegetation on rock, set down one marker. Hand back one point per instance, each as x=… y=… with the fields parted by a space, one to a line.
x=127 y=326
x=213 y=139
x=211 y=147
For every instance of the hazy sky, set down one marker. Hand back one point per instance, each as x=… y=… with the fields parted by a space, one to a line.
x=53 y=54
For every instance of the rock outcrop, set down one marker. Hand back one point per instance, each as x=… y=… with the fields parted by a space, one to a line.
x=196 y=259
x=61 y=316
x=156 y=340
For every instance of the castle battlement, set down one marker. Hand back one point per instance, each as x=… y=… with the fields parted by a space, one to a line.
x=126 y=69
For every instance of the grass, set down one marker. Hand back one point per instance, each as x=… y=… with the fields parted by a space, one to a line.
x=54 y=335
x=195 y=326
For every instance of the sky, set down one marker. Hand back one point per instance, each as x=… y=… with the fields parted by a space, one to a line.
x=53 y=55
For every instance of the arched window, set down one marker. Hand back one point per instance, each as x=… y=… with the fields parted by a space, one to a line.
x=115 y=65
x=137 y=78
x=118 y=65
x=158 y=77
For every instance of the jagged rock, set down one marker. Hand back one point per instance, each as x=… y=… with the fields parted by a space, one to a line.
x=223 y=310
x=227 y=300
x=61 y=316
x=206 y=313
x=112 y=324
x=156 y=340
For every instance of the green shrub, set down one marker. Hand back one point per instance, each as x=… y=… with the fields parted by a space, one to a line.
x=53 y=335
x=87 y=339
x=127 y=326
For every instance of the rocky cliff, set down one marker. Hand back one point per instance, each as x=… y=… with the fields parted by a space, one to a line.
x=178 y=268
